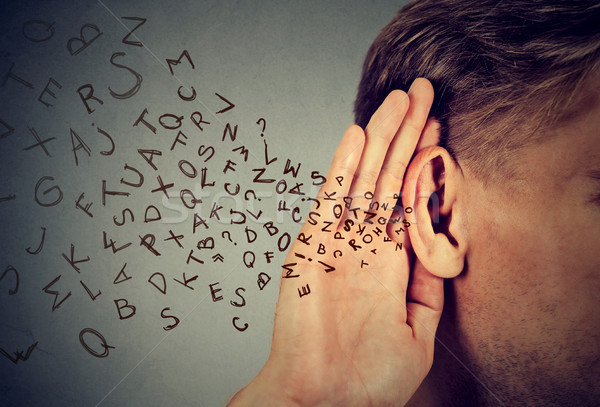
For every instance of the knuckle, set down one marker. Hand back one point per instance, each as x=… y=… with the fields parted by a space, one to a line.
x=366 y=177
x=394 y=170
x=412 y=125
x=381 y=132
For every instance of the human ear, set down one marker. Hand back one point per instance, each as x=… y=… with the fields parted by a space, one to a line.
x=432 y=188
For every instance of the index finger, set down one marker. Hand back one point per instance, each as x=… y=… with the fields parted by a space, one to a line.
x=380 y=132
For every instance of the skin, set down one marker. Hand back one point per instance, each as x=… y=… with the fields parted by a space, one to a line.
x=357 y=339
x=520 y=257
x=523 y=315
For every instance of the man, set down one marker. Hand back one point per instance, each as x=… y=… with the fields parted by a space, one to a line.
x=501 y=198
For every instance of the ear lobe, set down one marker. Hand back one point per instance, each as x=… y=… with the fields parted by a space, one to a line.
x=432 y=189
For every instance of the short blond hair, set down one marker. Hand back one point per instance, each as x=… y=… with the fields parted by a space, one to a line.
x=502 y=70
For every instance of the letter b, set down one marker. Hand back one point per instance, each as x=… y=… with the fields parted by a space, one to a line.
x=131 y=311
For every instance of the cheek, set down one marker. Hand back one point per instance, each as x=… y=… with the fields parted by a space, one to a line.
x=531 y=283
x=533 y=254
x=507 y=283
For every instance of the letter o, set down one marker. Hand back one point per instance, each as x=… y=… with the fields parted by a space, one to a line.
x=284 y=187
x=337 y=211
x=287 y=243
x=192 y=174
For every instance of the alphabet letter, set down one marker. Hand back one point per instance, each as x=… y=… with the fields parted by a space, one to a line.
x=126 y=305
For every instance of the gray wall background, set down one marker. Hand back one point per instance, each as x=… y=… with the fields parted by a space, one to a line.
x=294 y=64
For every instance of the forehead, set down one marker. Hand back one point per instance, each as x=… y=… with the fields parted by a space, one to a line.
x=564 y=151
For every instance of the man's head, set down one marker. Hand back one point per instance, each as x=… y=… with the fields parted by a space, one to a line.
x=500 y=69
x=516 y=173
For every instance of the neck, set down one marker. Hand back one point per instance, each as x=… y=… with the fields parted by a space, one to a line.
x=450 y=381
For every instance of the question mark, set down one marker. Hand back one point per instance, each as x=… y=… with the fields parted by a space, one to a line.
x=253 y=193
x=226 y=233
x=264 y=126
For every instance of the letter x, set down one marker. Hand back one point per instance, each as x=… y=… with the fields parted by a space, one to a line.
x=40 y=142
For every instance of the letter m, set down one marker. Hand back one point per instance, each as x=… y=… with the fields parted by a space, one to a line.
x=177 y=61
